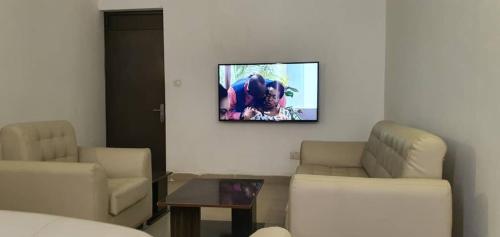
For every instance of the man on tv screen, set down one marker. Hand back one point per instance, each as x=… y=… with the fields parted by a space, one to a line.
x=245 y=94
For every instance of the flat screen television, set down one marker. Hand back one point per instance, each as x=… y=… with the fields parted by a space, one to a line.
x=269 y=92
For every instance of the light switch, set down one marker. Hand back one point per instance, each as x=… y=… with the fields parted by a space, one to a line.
x=177 y=83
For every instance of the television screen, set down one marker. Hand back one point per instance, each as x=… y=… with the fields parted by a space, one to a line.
x=272 y=92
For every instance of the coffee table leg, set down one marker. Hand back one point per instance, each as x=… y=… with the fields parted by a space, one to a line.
x=243 y=221
x=185 y=222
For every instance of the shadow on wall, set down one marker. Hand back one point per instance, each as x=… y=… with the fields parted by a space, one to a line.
x=460 y=170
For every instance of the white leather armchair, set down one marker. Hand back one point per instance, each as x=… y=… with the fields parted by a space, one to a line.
x=390 y=186
x=44 y=171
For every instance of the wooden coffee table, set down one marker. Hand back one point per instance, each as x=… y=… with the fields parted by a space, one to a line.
x=238 y=194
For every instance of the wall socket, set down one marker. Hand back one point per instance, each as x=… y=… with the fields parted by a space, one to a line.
x=294 y=155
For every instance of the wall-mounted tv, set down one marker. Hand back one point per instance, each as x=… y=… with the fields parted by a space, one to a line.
x=269 y=92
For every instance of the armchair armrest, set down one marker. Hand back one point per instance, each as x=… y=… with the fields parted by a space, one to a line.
x=119 y=162
x=66 y=189
x=333 y=154
x=351 y=206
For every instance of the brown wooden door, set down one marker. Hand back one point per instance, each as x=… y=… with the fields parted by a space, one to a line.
x=135 y=87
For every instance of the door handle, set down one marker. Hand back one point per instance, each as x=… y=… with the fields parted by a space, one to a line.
x=162 y=112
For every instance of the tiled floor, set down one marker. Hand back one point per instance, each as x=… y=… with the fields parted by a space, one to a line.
x=271 y=203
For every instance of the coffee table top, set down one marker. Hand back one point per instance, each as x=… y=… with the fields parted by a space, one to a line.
x=228 y=193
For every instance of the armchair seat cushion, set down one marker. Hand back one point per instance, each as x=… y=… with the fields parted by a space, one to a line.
x=125 y=192
x=331 y=171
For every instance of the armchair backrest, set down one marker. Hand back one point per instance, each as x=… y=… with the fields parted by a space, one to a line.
x=396 y=151
x=39 y=141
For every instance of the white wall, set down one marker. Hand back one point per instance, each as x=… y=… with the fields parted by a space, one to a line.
x=443 y=75
x=346 y=36
x=115 y=5
x=52 y=64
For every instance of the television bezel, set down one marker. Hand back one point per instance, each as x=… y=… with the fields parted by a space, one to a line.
x=270 y=121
